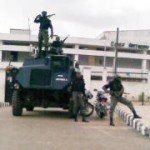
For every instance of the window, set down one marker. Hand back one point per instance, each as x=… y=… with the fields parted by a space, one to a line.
x=14 y=56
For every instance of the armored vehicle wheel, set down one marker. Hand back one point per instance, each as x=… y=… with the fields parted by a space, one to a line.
x=29 y=108
x=16 y=104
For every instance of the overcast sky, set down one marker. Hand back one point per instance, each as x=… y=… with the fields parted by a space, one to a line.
x=82 y=18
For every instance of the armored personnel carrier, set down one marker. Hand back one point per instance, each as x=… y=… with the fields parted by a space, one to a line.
x=41 y=82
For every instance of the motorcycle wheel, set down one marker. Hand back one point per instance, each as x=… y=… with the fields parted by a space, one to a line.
x=89 y=109
x=102 y=115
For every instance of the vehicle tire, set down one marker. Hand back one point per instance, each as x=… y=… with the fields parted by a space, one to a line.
x=16 y=104
x=29 y=108
x=89 y=109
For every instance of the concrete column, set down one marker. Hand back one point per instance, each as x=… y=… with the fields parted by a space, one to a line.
x=76 y=57
x=76 y=47
x=1 y=43
x=144 y=66
x=2 y=85
x=144 y=62
x=148 y=77
x=104 y=76
x=87 y=78
x=0 y=56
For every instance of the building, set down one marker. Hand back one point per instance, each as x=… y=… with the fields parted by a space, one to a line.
x=96 y=57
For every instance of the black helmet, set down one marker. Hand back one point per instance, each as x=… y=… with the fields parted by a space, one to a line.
x=44 y=13
x=117 y=77
x=57 y=38
x=77 y=64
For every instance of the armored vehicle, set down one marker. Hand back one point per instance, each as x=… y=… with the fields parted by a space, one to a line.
x=41 y=82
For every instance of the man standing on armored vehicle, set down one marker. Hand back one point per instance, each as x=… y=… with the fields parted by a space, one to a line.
x=43 y=36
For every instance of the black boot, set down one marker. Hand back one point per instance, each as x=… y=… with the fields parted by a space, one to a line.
x=135 y=115
x=84 y=120
x=111 y=122
x=75 y=118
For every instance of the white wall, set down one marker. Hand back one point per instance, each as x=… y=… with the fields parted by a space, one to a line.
x=134 y=89
x=2 y=85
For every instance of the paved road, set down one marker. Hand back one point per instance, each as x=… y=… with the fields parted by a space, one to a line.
x=52 y=130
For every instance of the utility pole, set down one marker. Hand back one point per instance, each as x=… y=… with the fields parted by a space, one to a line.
x=116 y=52
x=29 y=33
x=105 y=53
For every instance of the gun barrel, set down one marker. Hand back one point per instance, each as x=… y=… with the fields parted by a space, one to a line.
x=50 y=15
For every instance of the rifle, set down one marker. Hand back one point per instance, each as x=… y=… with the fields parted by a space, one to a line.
x=65 y=38
x=50 y=15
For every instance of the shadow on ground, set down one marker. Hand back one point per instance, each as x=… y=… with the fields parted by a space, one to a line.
x=46 y=113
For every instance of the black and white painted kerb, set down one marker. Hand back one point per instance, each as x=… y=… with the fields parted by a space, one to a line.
x=4 y=104
x=135 y=123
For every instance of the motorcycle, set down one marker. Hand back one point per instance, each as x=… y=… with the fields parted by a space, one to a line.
x=101 y=106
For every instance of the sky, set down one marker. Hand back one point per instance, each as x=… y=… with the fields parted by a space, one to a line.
x=80 y=18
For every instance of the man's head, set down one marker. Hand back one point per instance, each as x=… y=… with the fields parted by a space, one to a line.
x=44 y=13
x=76 y=65
x=57 y=38
x=117 y=78
x=78 y=74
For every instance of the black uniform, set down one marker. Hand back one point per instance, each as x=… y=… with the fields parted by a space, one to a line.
x=78 y=88
x=116 y=91
x=56 y=47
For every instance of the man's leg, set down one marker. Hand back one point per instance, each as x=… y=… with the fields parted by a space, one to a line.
x=75 y=105
x=129 y=105
x=71 y=108
x=40 y=40
x=46 y=40
x=82 y=107
x=112 y=108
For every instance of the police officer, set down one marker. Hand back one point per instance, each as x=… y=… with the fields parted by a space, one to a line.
x=78 y=91
x=56 y=46
x=45 y=24
x=116 y=90
x=75 y=69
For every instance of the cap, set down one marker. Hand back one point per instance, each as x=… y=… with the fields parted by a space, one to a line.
x=117 y=77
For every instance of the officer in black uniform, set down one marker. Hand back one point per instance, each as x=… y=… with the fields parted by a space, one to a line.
x=45 y=24
x=56 y=46
x=78 y=91
x=116 y=91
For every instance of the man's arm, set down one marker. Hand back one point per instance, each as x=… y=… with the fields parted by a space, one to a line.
x=106 y=87
x=83 y=87
x=37 y=19
x=121 y=91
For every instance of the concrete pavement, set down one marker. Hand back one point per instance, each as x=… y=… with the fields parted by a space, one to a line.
x=52 y=130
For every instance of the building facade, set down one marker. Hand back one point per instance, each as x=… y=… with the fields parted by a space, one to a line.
x=95 y=56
